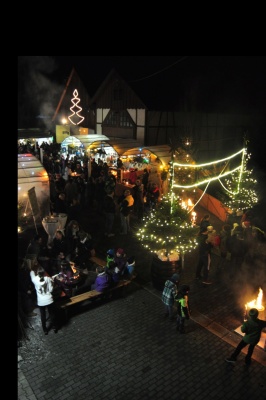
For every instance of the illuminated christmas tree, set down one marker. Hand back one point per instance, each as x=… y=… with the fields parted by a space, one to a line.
x=240 y=188
x=168 y=230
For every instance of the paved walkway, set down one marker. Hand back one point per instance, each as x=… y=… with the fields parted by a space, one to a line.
x=124 y=349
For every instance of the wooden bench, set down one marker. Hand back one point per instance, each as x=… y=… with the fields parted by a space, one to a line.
x=98 y=261
x=92 y=295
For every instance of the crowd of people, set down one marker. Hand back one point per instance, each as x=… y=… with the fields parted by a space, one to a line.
x=236 y=244
x=73 y=192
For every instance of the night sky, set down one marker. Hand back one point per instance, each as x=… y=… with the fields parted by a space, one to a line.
x=204 y=83
x=218 y=84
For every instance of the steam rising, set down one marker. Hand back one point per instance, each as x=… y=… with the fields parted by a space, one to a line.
x=38 y=94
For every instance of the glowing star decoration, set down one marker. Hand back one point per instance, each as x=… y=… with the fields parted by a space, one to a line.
x=76 y=109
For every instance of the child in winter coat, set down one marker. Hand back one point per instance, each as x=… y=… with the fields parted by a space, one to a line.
x=183 y=311
x=168 y=295
x=102 y=280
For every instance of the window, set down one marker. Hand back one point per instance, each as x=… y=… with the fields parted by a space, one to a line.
x=119 y=119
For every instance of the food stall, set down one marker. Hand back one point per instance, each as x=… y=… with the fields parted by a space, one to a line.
x=32 y=137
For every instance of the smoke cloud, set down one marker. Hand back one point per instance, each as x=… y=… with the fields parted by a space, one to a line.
x=38 y=94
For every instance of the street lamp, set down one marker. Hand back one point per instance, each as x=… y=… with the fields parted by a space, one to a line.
x=64 y=122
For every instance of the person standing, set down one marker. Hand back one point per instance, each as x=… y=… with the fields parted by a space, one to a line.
x=126 y=202
x=168 y=295
x=183 y=310
x=138 y=195
x=252 y=331
x=204 y=257
x=44 y=287
x=205 y=222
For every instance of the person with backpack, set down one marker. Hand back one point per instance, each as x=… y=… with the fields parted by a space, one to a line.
x=183 y=310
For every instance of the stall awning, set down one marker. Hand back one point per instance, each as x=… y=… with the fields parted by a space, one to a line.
x=162 y=152
x=123 y=145
x=118 y=144
x=30 y=170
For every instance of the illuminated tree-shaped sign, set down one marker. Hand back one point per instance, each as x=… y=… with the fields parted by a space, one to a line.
x=76 y=109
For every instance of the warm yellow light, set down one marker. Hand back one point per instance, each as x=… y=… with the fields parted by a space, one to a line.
x=256 y=303
x=75 y=101
x=210 y=163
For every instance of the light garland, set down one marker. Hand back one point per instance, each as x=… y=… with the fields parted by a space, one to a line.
x=241 y=188
x=210 y=163
x=75 y=101
x=168 y=228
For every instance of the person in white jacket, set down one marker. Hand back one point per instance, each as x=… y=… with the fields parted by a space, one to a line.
x=44 y=287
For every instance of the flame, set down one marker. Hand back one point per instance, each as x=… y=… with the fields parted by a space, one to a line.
x=256 y=303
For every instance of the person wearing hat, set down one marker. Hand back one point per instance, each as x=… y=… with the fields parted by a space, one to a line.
x=183 y=311
x=120 y=260
x=109 y=257
x=252 y=332
x=168 y=295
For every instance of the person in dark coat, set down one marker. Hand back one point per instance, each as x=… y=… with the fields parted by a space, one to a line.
x=204 y=257
x=60 y=204
x=252 y=332
x=84 y=250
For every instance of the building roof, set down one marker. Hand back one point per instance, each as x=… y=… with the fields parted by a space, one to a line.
x=115 y=93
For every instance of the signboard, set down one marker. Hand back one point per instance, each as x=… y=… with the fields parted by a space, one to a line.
x=33 y=202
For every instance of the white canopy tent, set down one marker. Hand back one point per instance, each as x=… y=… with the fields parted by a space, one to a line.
x=112 y=147
x=32 y=174
x=161 y=153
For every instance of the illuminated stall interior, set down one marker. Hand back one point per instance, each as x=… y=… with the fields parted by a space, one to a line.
x=94 y=146
x=33 y=136
x=147 y=157
x=31 y=173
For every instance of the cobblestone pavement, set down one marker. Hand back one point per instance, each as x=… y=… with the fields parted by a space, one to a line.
x=125 y=349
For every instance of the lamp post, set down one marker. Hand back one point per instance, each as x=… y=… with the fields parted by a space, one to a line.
x=64 y=122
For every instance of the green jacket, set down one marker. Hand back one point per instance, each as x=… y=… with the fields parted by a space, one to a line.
x=183 y=306
x=252 y=329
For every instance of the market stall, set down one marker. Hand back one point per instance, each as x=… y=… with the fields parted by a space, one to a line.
x=147 y=156
x=32 y=137
x=32 y=174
